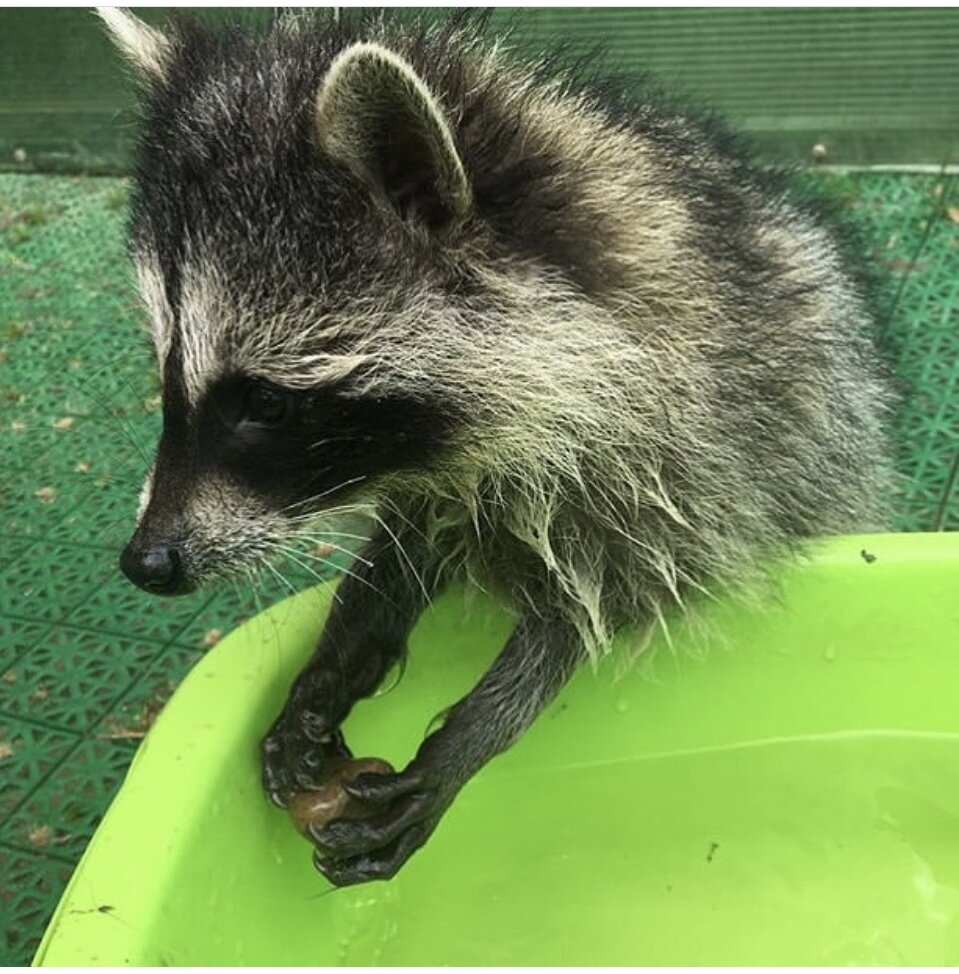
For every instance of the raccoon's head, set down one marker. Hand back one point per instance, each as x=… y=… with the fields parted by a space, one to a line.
x=296 y=225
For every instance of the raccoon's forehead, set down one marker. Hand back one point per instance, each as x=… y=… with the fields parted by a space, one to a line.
x=211 y=329
x=227 y=152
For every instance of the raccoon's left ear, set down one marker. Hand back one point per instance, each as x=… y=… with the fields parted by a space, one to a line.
x=375 y=115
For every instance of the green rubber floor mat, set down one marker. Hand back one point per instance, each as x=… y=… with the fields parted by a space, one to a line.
x=86 y=661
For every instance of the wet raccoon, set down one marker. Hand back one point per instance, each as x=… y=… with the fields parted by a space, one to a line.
x=571 y=347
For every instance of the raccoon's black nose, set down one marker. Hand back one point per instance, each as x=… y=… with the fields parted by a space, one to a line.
x=157 y=570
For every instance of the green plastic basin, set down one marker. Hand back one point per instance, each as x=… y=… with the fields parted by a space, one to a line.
x=791 y=797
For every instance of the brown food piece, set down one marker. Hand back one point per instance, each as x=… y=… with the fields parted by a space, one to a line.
x=317 y=808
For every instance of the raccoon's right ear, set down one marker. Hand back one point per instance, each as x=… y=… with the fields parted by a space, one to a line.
x=144 y=46
x=375 y=115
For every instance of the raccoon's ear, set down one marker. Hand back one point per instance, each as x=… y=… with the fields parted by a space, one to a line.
x=375 y=115
x=144 y=46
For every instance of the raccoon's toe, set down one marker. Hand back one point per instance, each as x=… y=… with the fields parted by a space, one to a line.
x=358 y=850
x=292 y=762
x=273 y=771
x=381 y=864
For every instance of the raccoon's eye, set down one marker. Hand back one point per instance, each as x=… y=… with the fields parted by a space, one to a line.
x=268 y=406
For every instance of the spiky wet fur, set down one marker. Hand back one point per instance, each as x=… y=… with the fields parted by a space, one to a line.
x=659 y=367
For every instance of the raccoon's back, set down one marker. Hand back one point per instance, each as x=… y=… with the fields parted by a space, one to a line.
x=684 y=381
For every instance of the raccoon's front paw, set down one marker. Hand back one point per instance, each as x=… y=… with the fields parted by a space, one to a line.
x=294 y=756
x=360 y=850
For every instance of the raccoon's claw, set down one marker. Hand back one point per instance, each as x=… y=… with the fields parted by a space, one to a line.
x=292 y=761
x=352 y=851
x=273 y=779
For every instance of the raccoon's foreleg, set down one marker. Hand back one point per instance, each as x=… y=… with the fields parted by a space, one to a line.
x=537 y=660
x=365 y=634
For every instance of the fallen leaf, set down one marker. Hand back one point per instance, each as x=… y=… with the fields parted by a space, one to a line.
x=46 y=494
x=953 y=213
x=322 y=549
x=40 y=835
x=18 y=427
x=6 y=750
x=9 y=677
x=64 y=423
x=122 y=734
x=904 y=264
x=135 y=727
x=82 y=467
x=212 y=638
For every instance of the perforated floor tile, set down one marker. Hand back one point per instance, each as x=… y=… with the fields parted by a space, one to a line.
x=12 y=548
x=28 y=752
x=31 y=883
x=51 y=580
x=117 y=608
x=100 y=520
x=41 y=499
x=72 y=677
x=85 y=660
x=914 y=223
x=16 y=637
x=61 y=815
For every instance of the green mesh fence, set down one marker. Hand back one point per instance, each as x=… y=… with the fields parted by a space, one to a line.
x=86 y=660
x=868 y=84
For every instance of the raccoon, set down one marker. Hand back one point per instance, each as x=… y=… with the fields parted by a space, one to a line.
x=566 y=342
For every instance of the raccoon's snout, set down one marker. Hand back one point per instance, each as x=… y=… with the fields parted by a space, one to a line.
x=157 y=569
